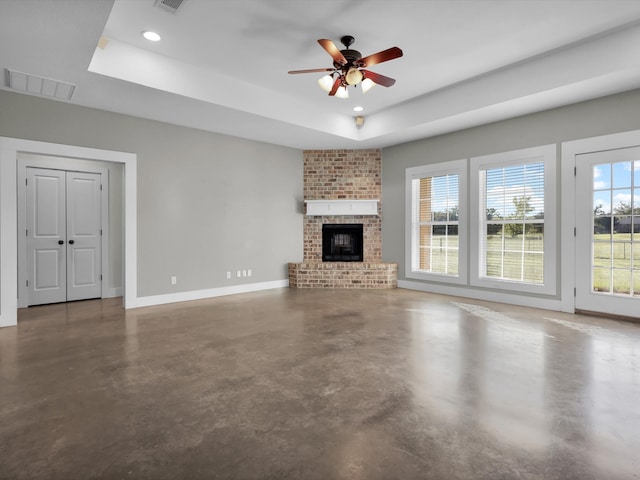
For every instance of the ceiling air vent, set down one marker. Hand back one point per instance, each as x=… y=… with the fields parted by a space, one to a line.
x=47 y=87
x=171 y=6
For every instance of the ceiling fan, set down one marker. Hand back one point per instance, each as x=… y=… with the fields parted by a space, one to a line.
x=349 y=68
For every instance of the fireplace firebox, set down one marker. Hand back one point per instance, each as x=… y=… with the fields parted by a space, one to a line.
x=342 y=242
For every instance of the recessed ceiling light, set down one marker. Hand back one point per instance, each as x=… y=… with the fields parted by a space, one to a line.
x=151 y=36
x=358 y=108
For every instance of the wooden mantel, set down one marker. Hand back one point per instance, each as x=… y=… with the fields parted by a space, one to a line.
x=341 y=207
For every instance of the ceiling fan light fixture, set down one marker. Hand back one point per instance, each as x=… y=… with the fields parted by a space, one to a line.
x=326 y=83
x=342 y=92
x=367 y=84
x=348 y=68
x=353 y=76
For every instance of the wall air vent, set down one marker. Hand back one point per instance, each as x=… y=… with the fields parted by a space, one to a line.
x=46 y=87
x=171 y=6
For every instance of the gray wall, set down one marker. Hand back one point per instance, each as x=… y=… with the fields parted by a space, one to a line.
x=613 y=114
x=207 y=203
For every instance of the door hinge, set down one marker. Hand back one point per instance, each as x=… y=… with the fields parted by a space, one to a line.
x=100 y=277
x=575 y=171
x=27 y=283
x=26 y=181
x=100 y=232
x=100 y=187
x=575 y=231
x=27 y=232
x=574 y=291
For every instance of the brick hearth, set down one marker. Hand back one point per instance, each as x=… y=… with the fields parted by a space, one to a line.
x=343 y=175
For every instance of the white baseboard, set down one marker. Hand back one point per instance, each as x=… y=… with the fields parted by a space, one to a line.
x=513 y=299
x=112 y=292
x=208 y=293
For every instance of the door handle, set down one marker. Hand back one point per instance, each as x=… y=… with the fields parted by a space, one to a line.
x=60 y=242
x=71 y=242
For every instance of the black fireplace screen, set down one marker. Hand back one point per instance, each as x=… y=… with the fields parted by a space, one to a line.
x=342 y=242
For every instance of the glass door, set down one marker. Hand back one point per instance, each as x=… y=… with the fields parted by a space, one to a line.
x=608 y=232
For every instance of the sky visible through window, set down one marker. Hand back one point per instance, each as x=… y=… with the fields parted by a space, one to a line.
x=615 y=186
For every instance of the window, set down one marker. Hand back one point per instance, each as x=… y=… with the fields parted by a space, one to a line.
x=514 y=235
x=436 y=226
x=513 y=227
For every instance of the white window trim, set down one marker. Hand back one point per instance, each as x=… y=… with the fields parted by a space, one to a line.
x=458 y=167
x=516 y=157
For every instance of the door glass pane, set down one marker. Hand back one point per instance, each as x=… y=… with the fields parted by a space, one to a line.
x=602 y=202
x=602 y=176
x=622 y=201
x=622 y=228
x=601 y=280
x=622 y=175
x=602 y=228
x=621 y=281
x=601 y=215
x=601 y=254
x=622 y=255
x=636 y=284
x=613 y=226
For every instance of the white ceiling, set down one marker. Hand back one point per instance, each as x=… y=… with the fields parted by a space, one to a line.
x=222 y=65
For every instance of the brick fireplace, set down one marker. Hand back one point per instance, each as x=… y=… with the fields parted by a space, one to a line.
x=342 y=176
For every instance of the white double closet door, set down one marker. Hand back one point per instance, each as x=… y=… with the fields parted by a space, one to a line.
x=63 y=236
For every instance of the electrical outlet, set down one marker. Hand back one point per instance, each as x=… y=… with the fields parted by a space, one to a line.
x=174 y=280
x=249 y=273
x=228 y=275
x=238 y=274
x=244 y=273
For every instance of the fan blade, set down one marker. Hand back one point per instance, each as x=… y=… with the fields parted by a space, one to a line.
x=335 y=87
x=383 y=56
x=314 y=70
x=332 y=50
x=378 y=79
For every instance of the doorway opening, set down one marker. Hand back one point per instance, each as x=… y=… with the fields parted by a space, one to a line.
x=12 y=295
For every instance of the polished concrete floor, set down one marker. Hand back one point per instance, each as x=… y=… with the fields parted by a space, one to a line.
x=318 y=384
